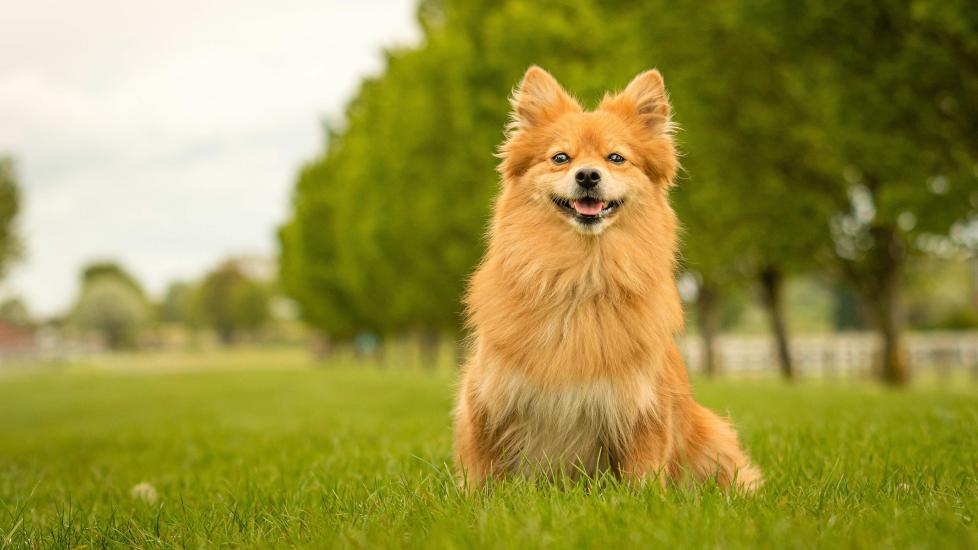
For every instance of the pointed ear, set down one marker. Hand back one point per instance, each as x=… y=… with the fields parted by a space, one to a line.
x=644 y=100
x=539 y=99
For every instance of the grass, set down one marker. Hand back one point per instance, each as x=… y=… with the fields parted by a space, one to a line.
x=262 y=450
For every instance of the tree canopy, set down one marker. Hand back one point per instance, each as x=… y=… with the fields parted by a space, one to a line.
x=832 y=136
x=10 y=242
x=113 y=309
x=230 y=302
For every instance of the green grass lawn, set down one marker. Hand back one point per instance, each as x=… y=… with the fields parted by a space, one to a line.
x=259 y=449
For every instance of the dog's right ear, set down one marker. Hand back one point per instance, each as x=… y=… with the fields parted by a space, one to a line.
x=539 y=99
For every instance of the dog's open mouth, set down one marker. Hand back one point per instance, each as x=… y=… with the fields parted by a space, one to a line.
x=587 y=210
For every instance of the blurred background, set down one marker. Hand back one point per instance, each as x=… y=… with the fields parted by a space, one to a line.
x=187 y=177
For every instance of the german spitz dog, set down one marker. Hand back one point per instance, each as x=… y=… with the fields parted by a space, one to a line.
x=574 y=308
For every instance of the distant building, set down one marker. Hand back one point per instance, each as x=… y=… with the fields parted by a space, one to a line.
x=15 y=342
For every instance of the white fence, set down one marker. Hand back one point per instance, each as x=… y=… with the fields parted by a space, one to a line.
x=840 y=354
x=49 y=345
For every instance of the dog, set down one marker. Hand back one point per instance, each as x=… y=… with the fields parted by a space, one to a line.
x=574 y=309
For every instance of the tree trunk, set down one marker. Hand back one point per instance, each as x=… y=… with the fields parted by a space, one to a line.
x=113 y=338
x=226 y=335
x=382 y=351
x=772 y=287
x=887 y=259
x=709 y=321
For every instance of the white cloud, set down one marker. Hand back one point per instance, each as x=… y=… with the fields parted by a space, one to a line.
x=167 y=134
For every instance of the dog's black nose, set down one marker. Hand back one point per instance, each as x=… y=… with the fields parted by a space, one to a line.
x=587 y=177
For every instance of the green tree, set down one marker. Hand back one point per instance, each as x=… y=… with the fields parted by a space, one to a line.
x=108 y=269
x=11 y=247
x=388 y=223
x=177 y=306
x=778 y=101
x=111 y=301
x=903 y=82
x=14 y=311
x=111 y=307
x=756 y=165
x=231 y=302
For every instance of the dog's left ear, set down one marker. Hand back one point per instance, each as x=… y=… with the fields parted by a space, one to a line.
x=645 y=100
x=644 y=104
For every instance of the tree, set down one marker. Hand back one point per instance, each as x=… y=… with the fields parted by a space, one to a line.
x=388 y=222
x=177 y=306
x=111 y=307
x=230 y=302
x=756 y=168
x=108 y=269
x=11 y=247
x=903 y=83
x=112 y=303
x=842 y=136
x=14 y=311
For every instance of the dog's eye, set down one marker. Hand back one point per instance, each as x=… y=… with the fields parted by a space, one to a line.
x=560 y=158
x=616 y=158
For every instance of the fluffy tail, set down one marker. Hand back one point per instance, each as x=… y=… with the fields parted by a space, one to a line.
x=711 y=450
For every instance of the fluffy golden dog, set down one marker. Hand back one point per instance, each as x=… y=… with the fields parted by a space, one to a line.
x=574 y=308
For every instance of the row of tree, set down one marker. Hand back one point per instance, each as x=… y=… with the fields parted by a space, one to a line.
x=832 y=137
x=114 y=305
x=11 y=245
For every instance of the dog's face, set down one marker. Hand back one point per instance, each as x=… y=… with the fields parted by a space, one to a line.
x=588 y=170
x=588 y=173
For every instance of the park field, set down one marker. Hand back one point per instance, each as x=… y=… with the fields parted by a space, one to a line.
x=265 y=449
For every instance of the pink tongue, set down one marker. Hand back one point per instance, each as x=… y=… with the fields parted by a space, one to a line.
x=588 y=208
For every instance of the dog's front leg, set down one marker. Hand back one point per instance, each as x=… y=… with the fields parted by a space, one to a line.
x=472 y=459
x=647 y=457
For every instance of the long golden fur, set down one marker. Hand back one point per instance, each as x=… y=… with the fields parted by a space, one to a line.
x=574 y=366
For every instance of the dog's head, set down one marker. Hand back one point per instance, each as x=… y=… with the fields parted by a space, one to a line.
x=589 y=170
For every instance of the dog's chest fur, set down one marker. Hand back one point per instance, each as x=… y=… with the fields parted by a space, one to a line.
x=572 y=426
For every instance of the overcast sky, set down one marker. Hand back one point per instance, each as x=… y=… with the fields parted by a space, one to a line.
x=166 y=135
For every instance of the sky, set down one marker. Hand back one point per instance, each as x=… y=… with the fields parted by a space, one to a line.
x=167 y=135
